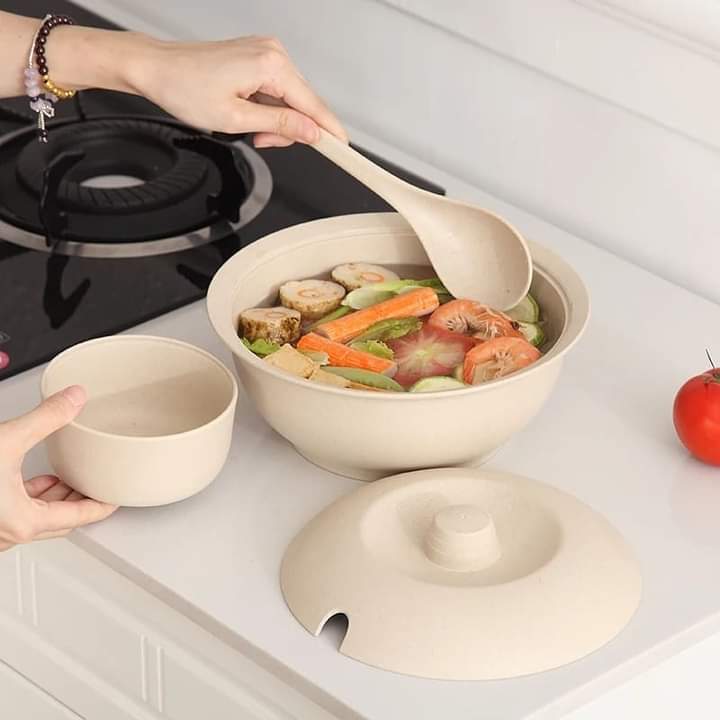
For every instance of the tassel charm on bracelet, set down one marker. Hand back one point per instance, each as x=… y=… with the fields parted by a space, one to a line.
x=42 y=92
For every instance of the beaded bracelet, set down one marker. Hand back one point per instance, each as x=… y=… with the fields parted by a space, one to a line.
x=37 y=79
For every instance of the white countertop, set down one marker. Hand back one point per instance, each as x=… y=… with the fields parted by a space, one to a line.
x=606 y=436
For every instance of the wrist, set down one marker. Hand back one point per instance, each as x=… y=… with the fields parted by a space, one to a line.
x=81 y=58
x=143 y=65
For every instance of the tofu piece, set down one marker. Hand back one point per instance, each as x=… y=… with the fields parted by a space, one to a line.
x=292 y=361
x=326 y=378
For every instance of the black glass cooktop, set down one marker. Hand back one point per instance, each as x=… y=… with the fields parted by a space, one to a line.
x=92 y=260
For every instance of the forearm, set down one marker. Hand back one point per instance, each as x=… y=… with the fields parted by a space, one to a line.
x=78 y=57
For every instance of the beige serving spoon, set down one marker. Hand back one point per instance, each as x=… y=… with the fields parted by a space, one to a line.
x=476 y=254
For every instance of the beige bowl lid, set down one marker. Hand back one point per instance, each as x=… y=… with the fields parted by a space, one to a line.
x=462 y=574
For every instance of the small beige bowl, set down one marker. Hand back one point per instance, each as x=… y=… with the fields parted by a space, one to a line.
x=158 y=422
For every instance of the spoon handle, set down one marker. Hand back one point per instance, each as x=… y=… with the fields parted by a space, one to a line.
x=390 y=188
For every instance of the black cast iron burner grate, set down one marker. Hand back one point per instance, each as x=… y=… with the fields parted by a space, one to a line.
x=190 y=189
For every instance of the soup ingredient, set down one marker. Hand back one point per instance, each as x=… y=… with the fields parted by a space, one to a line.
x=374 y=347
x=327 y=378
x=390 y=329
x=437 y=384
x=261 y=348
x=365 y=297
x=696 y=414
x=526 y=311
x=312 y=298
x=344 y=356
x=496 y=358
x=533 y=333
x=412 y=304
x=459 y=373
x=289 y=359
x=277 y=324
x=398 y=286
x=431 y=351
x=365 y=377
x=356 y=275
x=469 y=317
x=319 y=358
x=334 y=315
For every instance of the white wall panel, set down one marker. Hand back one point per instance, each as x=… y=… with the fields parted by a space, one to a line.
x=593 y=115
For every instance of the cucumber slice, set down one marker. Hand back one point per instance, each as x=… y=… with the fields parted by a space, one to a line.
x=533 y=333
x=398 y=286
x=365 y=377
x=366 y=297
x=437 y=384
x=526 y=311
x=321 y=358
x=459 y=373
x=391 y=329
x=374 y=347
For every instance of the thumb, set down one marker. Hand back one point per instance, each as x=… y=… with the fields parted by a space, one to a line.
x=54 y=413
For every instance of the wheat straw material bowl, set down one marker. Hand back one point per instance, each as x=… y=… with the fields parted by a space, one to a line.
x=368 y=435
x=157 y=425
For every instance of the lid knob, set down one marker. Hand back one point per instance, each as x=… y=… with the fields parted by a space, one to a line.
x=462 y=537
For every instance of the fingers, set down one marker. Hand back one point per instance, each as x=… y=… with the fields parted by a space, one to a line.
x=59 y=491
x=50 y=535
x=284 y=82
x=265 y=140
x=57 y=411
x=60 y=510
x=64 y=515
x=254 y=117
x=38 y=485
x=290 y=87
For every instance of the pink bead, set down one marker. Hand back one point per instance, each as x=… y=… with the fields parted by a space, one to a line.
x=31 y=74
x=33 y=91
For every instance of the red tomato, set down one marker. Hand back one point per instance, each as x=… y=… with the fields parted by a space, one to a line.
x=697 y=416
x=427 y=353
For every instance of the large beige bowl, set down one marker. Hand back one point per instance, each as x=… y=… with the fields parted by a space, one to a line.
x=157 y=425
x=368 y=435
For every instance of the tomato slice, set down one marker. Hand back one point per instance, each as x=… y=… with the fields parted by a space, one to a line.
x=468 y=317
x=496 y=358
x=428 y=353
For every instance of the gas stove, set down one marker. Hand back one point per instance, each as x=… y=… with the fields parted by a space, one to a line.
x=126 y=213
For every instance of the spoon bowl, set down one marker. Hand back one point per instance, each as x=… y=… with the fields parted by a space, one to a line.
x=476 y=254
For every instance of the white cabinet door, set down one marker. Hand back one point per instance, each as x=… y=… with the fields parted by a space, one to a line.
x=110 y=651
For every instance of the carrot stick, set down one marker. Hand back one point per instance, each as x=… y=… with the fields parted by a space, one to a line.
x=419 y=302
x=344 y=356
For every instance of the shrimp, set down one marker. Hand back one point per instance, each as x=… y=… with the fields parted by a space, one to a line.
x=496 y=358
x=468 y=317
